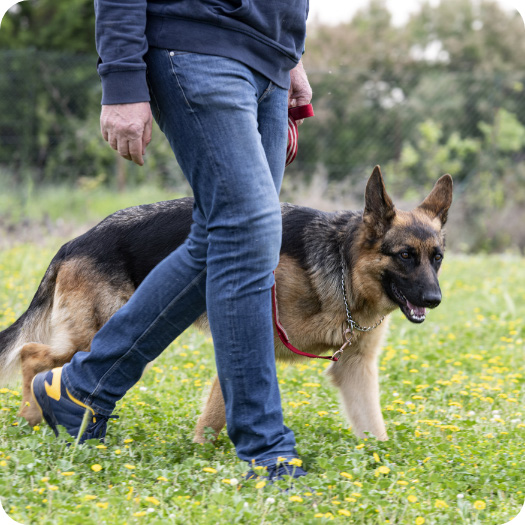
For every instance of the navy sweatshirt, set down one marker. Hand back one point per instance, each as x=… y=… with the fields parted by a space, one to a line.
x=267 y=35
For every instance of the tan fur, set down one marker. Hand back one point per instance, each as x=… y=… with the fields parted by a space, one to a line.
x=309 y=297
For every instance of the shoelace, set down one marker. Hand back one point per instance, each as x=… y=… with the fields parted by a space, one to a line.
x=97 y=429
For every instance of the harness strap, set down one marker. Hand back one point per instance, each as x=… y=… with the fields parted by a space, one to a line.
x=294 y=114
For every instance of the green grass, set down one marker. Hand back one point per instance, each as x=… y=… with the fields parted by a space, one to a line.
x=452 y=396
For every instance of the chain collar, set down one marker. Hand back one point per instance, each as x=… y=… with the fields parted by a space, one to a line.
x=351 y=324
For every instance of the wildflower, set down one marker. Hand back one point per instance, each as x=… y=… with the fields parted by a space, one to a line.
x=130 y=467
x=281 y=459
x=162 y=478
x=420 y=520
x=68 y=473
x=383 y=470
x=89 y=497
x=295 y=462
x=151 y=499
x=358 y=447
x=101 y=446
x=346 y=475
x=139 y=514
x=269 y=501
x=129 y=440
x=479 y=505
x=412 y=498
x=209 y=470
x=261 y=484
x=440 y=504
x=36 y=428
x=344 y=512
x=298 y=499
x=44 y=480
x=103 y=505
x=376 y=457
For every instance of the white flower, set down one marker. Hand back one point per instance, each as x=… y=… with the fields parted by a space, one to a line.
x=460 y=496
x=269 y=501
x=234 y=481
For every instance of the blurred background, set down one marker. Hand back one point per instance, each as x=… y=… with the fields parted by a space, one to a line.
x=435 y=89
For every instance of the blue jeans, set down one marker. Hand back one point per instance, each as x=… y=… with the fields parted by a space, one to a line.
x=227 y=125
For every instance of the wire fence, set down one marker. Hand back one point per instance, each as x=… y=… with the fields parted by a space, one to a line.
x=418 y=124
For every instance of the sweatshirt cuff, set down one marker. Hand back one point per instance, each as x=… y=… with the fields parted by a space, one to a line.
x=124 y=87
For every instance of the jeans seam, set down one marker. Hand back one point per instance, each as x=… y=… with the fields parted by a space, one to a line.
x=146 y=331
x=268 y=91
x=178 y=82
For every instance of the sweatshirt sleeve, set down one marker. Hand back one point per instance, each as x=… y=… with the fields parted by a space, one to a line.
x=121 y=45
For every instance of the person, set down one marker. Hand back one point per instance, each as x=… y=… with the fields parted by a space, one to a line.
x=218 y=76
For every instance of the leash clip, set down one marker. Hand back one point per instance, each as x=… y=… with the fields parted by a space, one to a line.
x=347 y=334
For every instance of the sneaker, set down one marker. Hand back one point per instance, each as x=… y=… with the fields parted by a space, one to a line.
x=275 y=472
x=59 y=407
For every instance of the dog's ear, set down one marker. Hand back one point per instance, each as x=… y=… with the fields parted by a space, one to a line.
x=379 y=209
x=439 y=199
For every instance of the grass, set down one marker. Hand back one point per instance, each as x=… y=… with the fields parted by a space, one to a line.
x=452 y=396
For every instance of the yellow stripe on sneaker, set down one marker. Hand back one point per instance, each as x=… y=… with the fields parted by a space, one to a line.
x=53 y=389
x=75 y=400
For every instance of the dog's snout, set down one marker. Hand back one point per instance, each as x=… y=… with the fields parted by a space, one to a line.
x=431 y=298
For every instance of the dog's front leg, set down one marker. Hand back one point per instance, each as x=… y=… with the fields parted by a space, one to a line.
x=356 y=375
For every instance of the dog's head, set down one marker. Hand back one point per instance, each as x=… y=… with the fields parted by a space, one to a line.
x=408 y=247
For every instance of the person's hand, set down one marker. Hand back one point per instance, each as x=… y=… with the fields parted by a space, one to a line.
x=300 y=92
x=127 y=129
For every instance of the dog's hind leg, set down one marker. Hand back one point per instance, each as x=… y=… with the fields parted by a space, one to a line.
x=36 y=358
x=213 y=416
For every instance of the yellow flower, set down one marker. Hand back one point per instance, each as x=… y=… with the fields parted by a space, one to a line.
x=36 y=428
x=103 y=505
x=129 y=440
x=139 y=514
x=479 y=505
x=261 y=484
x=53 y=487
x=344 y=512
x=280 y=459
x=358 y=447
x=89 y=497
x=101 y=446
x=346 y=475
x=383 y=470
x=210 y=470
x=68 y=473
x=296 y=498
x=295 y=462
x=412 y=498
x=161 y=478
x=376 y=457
x=420 y=520
x=96 y=467
x=130 y=467
x=440 y=504
x=151 y=499
x=401 y=482
x=44 y=480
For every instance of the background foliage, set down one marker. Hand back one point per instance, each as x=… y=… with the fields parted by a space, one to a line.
x=441 y=93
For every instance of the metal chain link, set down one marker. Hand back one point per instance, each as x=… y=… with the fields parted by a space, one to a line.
x=353 y=325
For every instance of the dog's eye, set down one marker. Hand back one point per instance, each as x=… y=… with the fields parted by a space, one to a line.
x=404 y=255
x=438 y=257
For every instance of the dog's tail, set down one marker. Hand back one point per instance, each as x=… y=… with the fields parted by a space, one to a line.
x=32 y=326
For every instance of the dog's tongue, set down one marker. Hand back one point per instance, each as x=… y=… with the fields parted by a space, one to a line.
x=420 y=311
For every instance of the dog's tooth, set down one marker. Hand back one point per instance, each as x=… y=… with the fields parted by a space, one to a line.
x=411 y=312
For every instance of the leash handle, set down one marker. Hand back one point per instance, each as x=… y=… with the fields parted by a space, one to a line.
x=294 y=114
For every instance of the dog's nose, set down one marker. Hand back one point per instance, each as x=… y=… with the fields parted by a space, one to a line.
x=431 y=298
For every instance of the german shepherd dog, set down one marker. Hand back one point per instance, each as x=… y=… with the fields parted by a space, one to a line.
x=385 y=257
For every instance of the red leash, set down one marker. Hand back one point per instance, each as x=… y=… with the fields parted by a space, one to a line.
x=283 y=336
x=294 y=114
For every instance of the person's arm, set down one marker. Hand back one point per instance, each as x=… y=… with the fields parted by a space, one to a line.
x=126 y=119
